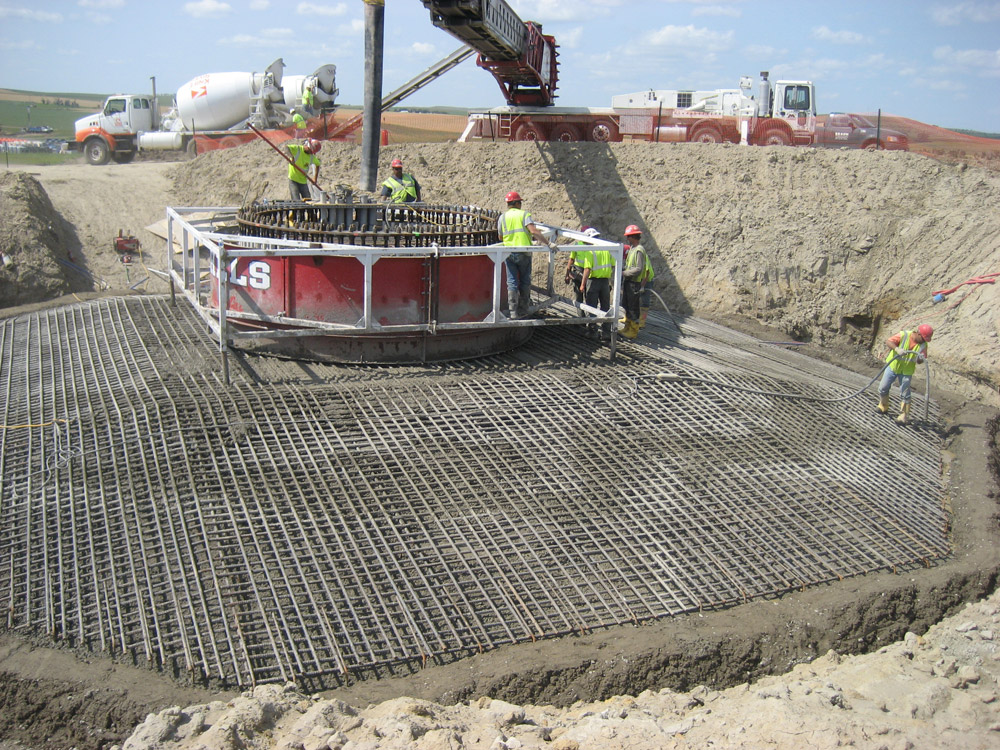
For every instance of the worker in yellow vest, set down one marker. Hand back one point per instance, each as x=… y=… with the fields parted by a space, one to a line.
x=516 y=228
x=304 y=159
x=633 y=274
x=598 y=266
x=297 y=119
x=907 y=349
x=401 y=187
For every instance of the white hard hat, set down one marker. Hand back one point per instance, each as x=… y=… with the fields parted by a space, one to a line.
x=591 y=232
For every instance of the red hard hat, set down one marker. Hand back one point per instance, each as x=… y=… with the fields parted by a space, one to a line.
x=512 y=196
x=396 y=163
x=585 y=227
x=632 y=229
x=925 y=331
x=313 y=146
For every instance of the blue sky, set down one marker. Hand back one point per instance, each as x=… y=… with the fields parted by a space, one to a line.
x=938 y=62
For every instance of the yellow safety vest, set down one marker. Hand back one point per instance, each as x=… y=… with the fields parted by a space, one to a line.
x=512 y=228
x=600 y=262
x=404 y=191
x=907 y=364
x=303 y=160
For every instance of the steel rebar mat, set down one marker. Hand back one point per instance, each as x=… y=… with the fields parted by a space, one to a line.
x=321 y=523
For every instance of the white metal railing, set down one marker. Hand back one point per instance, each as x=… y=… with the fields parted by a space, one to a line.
x=194 y=231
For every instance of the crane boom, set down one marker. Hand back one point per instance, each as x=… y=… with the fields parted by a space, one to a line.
x=521 y=58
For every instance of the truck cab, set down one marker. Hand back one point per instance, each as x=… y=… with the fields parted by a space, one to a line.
x=111 y=133
x=793 y=102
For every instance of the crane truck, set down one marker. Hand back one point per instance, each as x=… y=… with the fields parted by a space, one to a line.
x=210 y=111
x=525 y=63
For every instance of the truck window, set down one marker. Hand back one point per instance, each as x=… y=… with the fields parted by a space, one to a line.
x=683 y=99
x=140 y=104
x=114 y=106
x=797 y=97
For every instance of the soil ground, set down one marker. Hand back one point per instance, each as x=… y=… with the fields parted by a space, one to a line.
x=835 y=250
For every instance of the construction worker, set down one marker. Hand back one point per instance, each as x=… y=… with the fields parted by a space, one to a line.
x=309 y=98
x=297 y=119
x=598 y=265
x=516 y=229
x=304 y=162
x=907 y=349
x=401 y=187
x=633 y=274
x=574 y=267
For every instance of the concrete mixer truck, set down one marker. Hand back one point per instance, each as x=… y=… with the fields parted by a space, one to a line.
x=211 y=111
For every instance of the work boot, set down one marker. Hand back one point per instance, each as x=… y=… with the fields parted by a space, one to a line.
x=643 y=312
x=904 y=412
x=513 y=302
x=631 y=329
x=524 y=299
x=883 y=404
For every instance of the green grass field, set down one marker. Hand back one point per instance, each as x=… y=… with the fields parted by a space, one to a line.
x=36 y=159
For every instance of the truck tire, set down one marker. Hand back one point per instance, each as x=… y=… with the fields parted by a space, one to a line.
x=192 y=148
x=123 y=157
x=775 y=137
x=96 y=151
x=706 y=134
x=604 y=131
x=566 y=132
x=529 y=131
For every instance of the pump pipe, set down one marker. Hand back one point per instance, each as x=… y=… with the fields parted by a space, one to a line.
x=285 y=156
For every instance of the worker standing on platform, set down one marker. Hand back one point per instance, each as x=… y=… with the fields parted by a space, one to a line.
x=634 y=273
x=907 y=349
x=598 y=265
x=309 y=98
x=304 y=162
x=401 y=187
x=516 y=229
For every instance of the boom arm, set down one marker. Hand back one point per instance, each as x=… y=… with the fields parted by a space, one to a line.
x=517 y=53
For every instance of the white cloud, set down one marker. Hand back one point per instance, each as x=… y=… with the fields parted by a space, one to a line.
x=570 y=38
x=101 y=3
x=24 y=14
x=19 y=45
x=688 y=39
x=305 y=9
x=974 y=60
x=260 y=4
x=100 y=19
x=953 y=15
x=562 y=10
x=761 y=50
x=274 y=37
x=422 y=48
x=204 y=8
x=717 y=10
x=826 y=34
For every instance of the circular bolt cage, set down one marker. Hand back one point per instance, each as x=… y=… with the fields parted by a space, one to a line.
x=370 y=224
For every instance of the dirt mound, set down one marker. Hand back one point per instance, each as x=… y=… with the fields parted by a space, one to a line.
x=34 y=238
x=826 y=246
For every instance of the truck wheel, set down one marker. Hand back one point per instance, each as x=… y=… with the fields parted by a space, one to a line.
x=776 y=137
x=604 y=131
x=529 y=131
x=706 y=135
x=96 y=151
x=230 y=141
x=123 y=157
x=191 y=148
x=567 y=133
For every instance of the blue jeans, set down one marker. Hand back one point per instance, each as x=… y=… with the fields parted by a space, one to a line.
x=518 y=267
x=888 y=377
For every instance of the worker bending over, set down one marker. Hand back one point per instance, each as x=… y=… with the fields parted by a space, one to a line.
x=907 y=349
x=304 y=162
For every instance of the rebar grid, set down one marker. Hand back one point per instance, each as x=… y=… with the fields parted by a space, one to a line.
x=320 y=523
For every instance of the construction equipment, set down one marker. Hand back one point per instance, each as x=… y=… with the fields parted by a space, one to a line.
x=211 y=111
x=523 y=60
